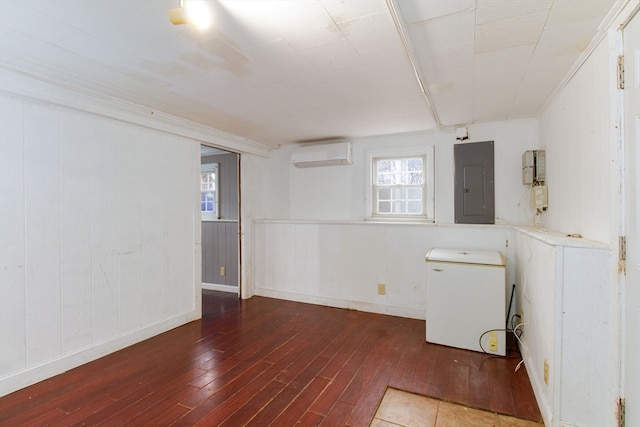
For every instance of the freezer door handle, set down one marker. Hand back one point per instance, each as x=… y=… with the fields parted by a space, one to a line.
x=438 y=269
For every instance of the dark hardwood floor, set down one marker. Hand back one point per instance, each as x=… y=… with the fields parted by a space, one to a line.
x=266 y=362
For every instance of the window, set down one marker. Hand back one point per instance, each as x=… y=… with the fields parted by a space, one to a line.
x=209 y=191
x=402 y=186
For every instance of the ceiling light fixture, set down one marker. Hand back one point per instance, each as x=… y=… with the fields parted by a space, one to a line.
x=194 y=12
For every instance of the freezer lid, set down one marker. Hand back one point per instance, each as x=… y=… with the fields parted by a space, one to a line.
x=466 y=256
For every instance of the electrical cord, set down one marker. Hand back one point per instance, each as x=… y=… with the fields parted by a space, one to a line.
x=485 y=333
x=515 y=330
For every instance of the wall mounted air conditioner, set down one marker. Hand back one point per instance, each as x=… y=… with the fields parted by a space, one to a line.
x=322 y=154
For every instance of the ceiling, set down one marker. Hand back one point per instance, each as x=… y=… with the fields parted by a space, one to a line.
x=278 y=72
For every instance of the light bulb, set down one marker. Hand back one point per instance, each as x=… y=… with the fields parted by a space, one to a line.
x=194 y=12
x=197 y=13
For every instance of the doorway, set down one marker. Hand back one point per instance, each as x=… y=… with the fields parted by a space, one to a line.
x=219 y=206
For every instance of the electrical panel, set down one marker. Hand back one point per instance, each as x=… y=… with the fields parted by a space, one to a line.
x=533 y=167
x=474 y=188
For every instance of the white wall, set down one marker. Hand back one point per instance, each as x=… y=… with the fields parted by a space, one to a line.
x=340 y=192
x=312 y=242
x=569 y=309
x=575 y=130
x=99 y=236
x=536 y=273
x=340 y=264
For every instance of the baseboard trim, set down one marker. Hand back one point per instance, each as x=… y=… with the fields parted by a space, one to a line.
x=50 y=368
x=536 y=384
x=408 y=312
x=221 y=288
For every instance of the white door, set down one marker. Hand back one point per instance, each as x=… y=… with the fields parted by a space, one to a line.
x=631 y=40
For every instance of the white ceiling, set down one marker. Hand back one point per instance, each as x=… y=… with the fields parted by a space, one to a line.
x=278 y=72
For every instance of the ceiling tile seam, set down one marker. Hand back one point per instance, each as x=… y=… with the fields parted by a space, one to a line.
x=441 y=17
x=582 y=59
x=356 y=18
x=608 y=21
x=529 y=62
x=346 y=21
x=51 y=18
x=517 y=15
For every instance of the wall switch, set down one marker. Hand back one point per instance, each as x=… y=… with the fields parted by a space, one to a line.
x=381 y=289
x=223 y=271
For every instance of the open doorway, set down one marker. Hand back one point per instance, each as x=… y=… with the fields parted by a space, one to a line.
x=219 y=205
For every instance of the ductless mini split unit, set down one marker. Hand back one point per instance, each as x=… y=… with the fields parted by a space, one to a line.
x=322 y=154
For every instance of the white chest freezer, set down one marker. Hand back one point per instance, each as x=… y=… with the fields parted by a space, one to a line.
x=466 y=304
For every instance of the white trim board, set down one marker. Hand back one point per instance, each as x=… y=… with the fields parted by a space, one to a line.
x=93 y=352
x=30 y=86
x=407 y=312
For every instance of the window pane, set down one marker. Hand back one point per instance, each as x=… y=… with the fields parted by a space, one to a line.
x=414 y=193
x=414 y=207
x=208 y=202
x=400 y=185
x=384 y=178
x=384 y=193
x=384 y=169
x=414 y=164
x=208 y=189
x=414 y=178
x=399 y=171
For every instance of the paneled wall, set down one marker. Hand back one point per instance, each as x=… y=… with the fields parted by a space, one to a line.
x=98 y=237
x=220 y=238
x=576 y=130
x=220 y=250
x=568 y=292
x=569 y=310
x=313 y=242
x=340 y=264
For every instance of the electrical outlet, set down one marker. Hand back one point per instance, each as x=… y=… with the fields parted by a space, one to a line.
x=546 y=371
x=381 y=289
x=493 y=341
x=223 y=271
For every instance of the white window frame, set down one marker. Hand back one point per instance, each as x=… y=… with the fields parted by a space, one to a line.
x=428 y=199
x=214 y=215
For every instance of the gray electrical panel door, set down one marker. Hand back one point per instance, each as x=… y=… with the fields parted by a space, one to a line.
x=474 y=186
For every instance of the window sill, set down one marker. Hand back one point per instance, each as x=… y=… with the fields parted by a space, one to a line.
x=399 y=220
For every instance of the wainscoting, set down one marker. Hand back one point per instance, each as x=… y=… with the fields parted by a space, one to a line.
x=220 y=252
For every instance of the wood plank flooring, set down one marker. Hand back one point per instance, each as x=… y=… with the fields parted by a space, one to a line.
x=263 y=362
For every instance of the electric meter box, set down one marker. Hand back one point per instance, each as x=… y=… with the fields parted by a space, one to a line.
x=533 y=167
